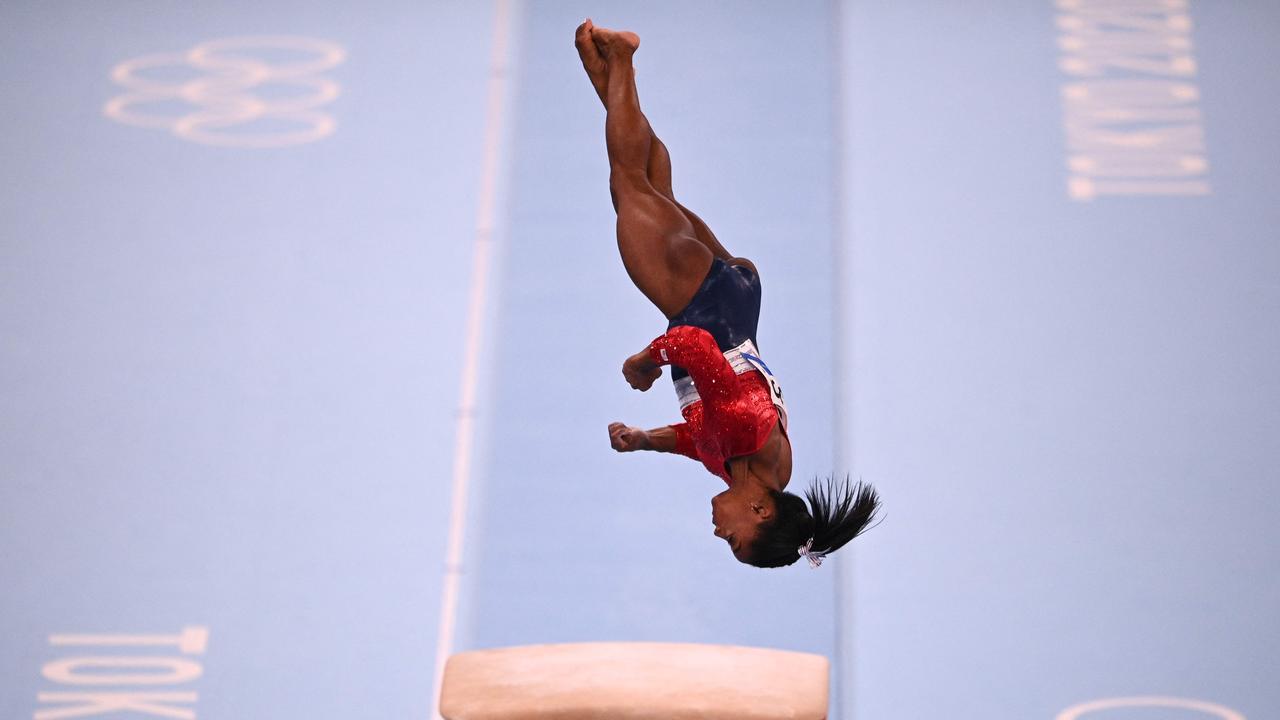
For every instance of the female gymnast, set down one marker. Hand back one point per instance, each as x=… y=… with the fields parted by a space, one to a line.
x=735 y=420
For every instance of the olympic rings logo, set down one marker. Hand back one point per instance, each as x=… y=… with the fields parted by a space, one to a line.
x=220 y=100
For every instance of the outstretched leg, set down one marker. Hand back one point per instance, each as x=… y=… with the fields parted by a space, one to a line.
x=659 y=247
x=659 y=161
x=660 y=178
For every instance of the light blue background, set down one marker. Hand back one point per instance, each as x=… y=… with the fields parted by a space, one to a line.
x=229 y=378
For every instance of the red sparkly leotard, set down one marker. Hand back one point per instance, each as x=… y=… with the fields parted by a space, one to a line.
x=735 y=414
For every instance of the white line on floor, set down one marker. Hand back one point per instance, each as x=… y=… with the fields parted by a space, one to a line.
x=464 y=440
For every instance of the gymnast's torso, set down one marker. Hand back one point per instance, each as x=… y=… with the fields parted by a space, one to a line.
x=731 y=403
x=748 y=426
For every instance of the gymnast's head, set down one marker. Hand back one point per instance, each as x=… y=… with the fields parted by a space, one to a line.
x=769 y=529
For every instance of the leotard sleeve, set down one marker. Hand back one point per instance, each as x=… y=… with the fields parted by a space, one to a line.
x=684 y=441
x=694 y=349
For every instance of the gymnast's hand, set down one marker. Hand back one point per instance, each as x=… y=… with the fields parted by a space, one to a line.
x=627 y=439
x=640 y=371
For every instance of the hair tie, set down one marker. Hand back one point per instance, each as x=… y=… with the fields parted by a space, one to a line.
x=806 y=551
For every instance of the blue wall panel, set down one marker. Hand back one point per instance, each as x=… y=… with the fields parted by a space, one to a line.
x=227 y=372
x=1070 y=403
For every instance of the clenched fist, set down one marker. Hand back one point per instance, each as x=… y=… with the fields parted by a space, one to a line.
x=624 y=438
x=640 y=371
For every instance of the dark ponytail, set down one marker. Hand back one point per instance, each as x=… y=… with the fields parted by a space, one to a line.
x=838 y=512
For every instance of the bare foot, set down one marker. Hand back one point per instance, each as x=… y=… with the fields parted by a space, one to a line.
x=615 y=42
x=592 y=61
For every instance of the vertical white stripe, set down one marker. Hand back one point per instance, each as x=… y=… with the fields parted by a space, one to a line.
x=843 y=424
x=464 y=440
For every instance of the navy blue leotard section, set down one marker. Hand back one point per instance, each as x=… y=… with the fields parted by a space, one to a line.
x=727 y=305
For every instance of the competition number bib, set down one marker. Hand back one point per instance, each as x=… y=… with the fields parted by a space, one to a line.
x=775 y=390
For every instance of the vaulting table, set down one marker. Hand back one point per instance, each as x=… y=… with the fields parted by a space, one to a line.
x=634 y=681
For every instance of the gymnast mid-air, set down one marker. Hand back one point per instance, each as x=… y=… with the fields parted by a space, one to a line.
x=735 y=419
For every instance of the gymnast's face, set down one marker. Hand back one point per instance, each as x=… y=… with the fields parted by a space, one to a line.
x=737 y=515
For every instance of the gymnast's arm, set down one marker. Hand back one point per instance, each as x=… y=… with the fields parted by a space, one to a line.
x=695 y=350
x=675 y=439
